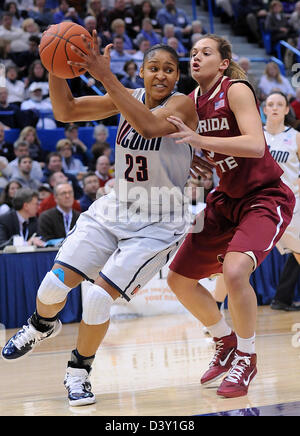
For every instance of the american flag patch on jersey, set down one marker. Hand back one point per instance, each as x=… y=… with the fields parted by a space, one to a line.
x=219 y=104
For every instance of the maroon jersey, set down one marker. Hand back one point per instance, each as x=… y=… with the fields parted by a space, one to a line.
x=238 y=175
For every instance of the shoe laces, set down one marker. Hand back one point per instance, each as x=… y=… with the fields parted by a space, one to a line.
x=78 y=383
x=27 y=335
x=219 y=349
x=239 y=365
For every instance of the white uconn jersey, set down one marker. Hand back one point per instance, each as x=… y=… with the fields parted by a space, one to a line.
x=150 y=170
x=283 y=148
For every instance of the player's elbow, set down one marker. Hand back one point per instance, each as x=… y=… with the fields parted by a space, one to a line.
x=260 y=150
x=147 y=132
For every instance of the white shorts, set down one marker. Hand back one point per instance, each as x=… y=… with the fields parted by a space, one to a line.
x=126 y=255
x=290 y=241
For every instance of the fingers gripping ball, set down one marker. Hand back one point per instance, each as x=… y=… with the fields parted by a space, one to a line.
x=55 y=49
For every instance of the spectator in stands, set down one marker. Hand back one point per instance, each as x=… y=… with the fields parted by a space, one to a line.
x=7 y=31
x=90 y=23
x=171 y=14
x=94 y=7
x=102 y=170
x=5 y=172
x=44 y=191
x=7 y=195
x=118 y=29
x=30 y=27
x=25 y=6
x=24 y=176
x=38 y=73
x=6 y=56
x=100 y=147
x=21 y=219
x=26 y=58
x=44 y=106
x=196 y=28
x=79 y=149
x=65 y=13
x=9 y=113
x=294 y=20
x=295 y=104
x=250 y=18
x=17 y=18
x=177 y=46
x=277 y=23
x=245 y=63
x=41 y=15
x=56 y=223
x=90 y=187
x=227 y=13
x=55 y=179
x=6 y=148
x=146 y=10
x=118 y=57
x=147 y=32
x=36 y=152
x=21 y=148
x=132 y=79
x=54 y=164
x=70 y=163
x=125 y=13
x=137 y=57
x=272 y=79
x=15 y=87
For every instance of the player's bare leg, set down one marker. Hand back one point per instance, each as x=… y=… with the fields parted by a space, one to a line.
x=90 y=336
x=44 y=323
x=237 y=268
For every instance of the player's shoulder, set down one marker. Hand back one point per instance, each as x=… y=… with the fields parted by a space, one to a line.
x=181 y=99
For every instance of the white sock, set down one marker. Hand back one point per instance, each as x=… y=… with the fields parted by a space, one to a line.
x=220 y=329
x=246 y=345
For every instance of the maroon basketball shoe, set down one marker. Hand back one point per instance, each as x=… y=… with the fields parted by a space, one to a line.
x=221 y=362
x=237 y=381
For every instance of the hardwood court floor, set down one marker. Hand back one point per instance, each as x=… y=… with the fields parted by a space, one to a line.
x=151 y=366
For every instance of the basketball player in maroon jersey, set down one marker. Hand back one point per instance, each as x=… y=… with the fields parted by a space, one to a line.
x=245 y=215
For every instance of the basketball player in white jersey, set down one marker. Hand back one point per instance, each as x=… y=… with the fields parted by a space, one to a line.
x=129 y=234
x=284 y=146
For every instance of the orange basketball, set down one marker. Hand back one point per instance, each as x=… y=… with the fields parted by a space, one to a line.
x=55 y=49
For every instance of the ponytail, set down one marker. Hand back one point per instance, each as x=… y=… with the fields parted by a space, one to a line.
x=235 y=71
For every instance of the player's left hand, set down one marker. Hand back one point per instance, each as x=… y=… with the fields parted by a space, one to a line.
x=184 y=134
x=93 y=61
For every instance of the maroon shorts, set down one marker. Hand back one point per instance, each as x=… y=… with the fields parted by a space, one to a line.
x=254 y=224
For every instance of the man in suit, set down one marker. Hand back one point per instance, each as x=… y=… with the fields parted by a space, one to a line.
x=21 y=219
x=55 y=223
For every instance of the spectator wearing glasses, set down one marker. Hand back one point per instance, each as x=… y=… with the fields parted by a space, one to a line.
x=56 y=223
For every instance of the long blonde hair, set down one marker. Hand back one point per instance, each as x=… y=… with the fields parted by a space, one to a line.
x=234 y=70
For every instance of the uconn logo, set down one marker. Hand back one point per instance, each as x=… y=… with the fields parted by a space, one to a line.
x=280 y=156
x=132 y=140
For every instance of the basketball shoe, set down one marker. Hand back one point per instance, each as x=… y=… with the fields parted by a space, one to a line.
x=242 y=371
x=25 y=340
x=221 y=362
x=77 y=382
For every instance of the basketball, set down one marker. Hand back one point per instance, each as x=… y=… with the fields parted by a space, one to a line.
x=55 y=49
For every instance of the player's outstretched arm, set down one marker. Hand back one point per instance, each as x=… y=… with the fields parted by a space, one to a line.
x=250 y=143
x=67 y=109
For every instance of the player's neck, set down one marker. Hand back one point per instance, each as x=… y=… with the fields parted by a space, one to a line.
x=274 y=128
x=207 y=85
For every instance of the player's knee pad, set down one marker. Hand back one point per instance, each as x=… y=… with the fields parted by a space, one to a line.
x=96 y=306
x=52 y=290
